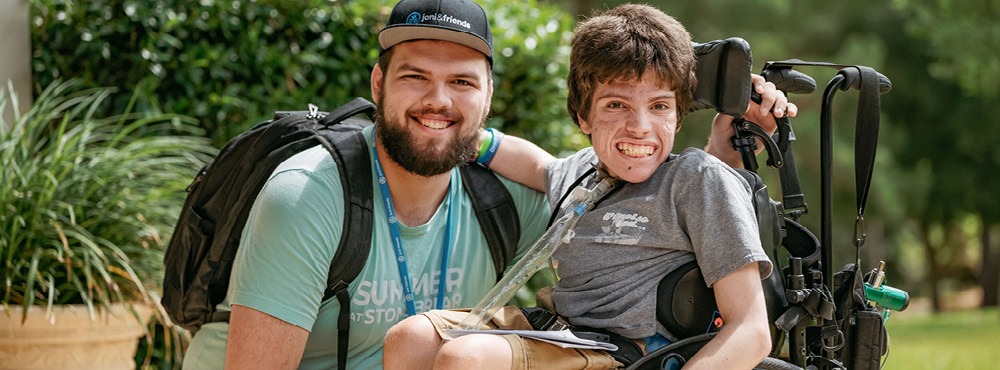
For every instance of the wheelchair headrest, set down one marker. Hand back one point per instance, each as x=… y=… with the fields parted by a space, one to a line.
x=723 y=70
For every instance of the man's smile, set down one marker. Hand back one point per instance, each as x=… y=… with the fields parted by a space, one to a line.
x=436 y=124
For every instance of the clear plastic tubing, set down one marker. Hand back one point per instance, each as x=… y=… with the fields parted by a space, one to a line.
x=561 y=232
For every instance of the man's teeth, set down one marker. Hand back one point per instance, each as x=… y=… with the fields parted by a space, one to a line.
x=633 y=150
x=433 y=123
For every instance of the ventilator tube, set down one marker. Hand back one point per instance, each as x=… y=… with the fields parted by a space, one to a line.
x=561 y=232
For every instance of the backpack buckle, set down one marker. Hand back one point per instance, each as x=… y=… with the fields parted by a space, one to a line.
x=314 y=112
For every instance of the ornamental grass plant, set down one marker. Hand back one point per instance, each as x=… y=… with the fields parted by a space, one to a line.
x=87 y=203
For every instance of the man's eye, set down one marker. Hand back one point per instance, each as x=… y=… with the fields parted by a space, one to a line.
x=615 y=105
x=661 y=106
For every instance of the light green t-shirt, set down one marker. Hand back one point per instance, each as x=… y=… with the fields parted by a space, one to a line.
x=292 y=233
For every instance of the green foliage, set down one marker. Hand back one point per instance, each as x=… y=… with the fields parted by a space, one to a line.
x=967 y=48
x=230 y=64
x=227 y=63
x=86 y=202
x=532 y=61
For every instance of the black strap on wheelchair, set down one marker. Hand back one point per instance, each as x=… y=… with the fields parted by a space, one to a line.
x=791 y=82
x=628 y=350
x=870 y=84
x=792 y=199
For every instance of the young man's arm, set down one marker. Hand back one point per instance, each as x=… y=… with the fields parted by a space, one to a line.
x=520 y=160
x=745 y=340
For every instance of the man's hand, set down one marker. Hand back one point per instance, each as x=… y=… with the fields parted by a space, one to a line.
x=772 y=100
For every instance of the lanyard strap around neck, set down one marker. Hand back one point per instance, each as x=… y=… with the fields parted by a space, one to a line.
x=397 y=242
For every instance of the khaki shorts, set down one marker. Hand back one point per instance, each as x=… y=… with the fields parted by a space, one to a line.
x=528 y=353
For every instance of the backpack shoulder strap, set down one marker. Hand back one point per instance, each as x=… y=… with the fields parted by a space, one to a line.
x=355 y=239
x=347 y=147
x=496 y=212
x=349 y=151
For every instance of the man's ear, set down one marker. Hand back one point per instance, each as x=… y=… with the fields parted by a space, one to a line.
x=376 y=83
x=489 y=98
x=584 y=125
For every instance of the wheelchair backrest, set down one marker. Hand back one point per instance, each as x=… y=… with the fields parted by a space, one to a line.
x=686 y=305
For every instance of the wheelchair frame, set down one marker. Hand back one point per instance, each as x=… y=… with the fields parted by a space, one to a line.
x=815 y=339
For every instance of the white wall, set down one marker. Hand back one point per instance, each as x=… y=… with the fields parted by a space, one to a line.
x=15 y=53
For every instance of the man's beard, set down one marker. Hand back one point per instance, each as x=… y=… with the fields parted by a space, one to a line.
x=425 y=161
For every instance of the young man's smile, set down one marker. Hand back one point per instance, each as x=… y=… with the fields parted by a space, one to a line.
x=632 y=125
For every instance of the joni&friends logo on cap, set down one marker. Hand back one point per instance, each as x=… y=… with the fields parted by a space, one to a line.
x=460 y=21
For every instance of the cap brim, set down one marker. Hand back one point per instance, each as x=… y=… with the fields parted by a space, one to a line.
x=393 y=35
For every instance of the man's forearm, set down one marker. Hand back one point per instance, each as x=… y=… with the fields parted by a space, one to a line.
x=522 y=161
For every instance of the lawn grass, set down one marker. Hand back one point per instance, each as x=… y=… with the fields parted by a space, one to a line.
x=952 y=340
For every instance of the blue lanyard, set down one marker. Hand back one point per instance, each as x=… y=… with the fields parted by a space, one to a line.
x=397 y=242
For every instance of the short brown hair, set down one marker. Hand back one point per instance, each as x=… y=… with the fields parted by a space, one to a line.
x=621 y=44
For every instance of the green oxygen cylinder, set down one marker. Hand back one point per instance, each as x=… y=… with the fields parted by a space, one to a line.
x=888 y=297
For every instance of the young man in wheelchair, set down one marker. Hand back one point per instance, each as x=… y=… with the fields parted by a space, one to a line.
x=632 y=77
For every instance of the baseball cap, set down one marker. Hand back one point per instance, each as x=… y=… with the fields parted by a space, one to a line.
x=460 y=21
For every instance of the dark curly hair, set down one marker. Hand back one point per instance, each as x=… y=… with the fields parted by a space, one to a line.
x=622 y=44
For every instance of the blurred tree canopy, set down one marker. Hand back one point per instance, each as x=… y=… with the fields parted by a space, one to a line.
x=231 y=64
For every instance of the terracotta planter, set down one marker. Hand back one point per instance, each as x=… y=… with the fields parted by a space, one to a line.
x=69 y=338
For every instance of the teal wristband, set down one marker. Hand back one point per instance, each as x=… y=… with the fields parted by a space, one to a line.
x=485 y=157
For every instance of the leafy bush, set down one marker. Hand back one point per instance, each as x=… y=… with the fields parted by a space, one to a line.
x=532 y=61
x=227 y=63
x=230 y=64
x=86 y=203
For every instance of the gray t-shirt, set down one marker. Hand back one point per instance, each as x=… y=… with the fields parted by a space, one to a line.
x=693 y=207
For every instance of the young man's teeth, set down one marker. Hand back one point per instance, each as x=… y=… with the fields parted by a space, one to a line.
x=435 y=124
x=632 y=150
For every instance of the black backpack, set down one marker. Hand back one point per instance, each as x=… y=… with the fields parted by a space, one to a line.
x=200 y=256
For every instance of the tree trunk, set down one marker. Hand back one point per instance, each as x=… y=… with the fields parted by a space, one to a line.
x=933 y=268
x=989 y=275
x=15 y=61
x=874 y=248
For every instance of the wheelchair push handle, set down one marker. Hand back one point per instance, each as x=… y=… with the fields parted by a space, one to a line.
x=784 y=79
x=852 y=80
x=789 y=80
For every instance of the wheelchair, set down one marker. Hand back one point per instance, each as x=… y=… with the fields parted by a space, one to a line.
x=821 y=318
